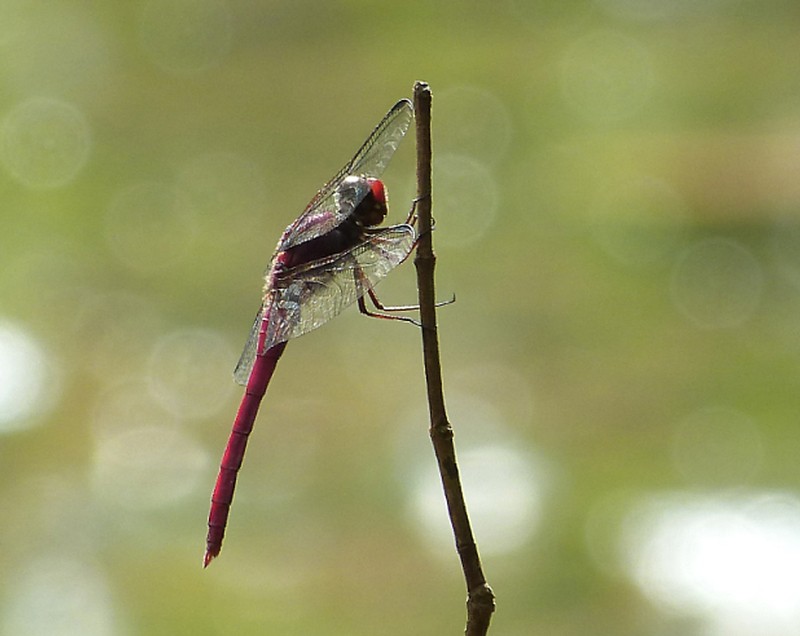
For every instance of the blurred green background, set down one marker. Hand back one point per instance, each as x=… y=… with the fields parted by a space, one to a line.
x=616 y=196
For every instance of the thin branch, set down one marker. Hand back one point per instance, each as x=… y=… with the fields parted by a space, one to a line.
x=480 y=599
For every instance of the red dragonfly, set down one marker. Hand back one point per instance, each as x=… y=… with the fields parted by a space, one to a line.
x=330 y=257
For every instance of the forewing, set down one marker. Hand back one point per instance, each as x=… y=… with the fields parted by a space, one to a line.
x=310 y=295
x=242 y=371
x=374 y=155
x=331 y=206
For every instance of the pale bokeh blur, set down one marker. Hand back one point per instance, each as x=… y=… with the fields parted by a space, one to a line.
x=616 y=198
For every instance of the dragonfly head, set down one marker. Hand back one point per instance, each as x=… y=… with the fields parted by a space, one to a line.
x=377 y=189
x=373 y=207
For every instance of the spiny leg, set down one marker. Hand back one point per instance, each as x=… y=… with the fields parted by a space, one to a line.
x=362 y=307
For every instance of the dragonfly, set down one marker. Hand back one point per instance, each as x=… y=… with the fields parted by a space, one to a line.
x=330 y=257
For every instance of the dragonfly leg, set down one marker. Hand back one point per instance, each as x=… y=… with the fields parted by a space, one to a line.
x=379 y=305
x=362 y=307
x=411 y=219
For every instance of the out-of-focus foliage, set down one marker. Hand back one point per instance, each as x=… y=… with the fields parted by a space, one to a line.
x=616 y=202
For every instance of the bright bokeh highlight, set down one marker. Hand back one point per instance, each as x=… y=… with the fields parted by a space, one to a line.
x=28 y=384
x=731 y=559
x=60 y=596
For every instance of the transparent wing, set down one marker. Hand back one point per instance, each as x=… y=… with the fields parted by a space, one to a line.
x=310 y=295
x=331 y=205
x=242 y=371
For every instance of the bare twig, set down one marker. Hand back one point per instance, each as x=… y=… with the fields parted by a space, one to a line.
x=480 y=599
